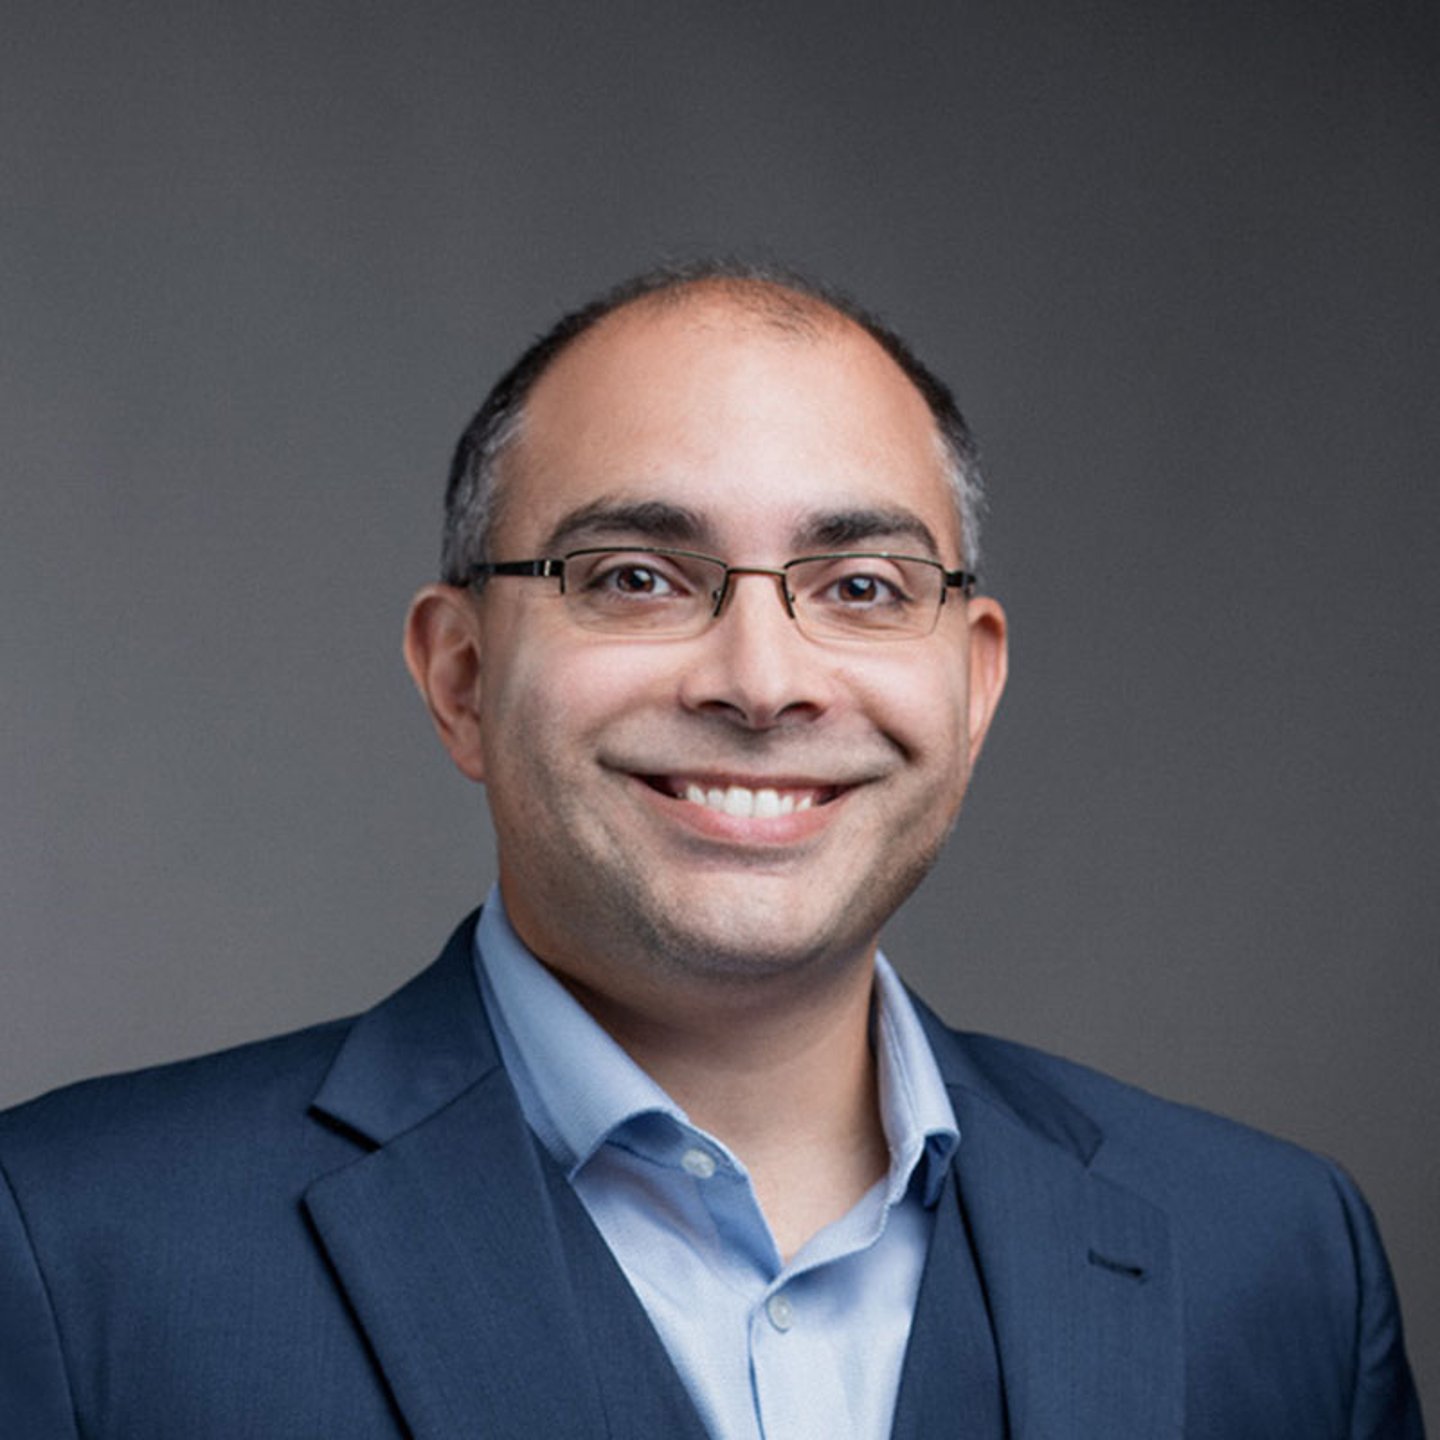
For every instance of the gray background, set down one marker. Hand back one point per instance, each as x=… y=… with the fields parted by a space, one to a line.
x=259 y=262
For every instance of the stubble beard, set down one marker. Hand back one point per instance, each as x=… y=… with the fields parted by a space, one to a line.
x=742 y=934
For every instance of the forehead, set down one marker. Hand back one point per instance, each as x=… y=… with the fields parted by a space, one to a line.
x=752 y=423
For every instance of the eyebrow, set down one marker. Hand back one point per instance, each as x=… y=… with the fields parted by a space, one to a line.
x=665 y=523
x=839 y=529
x=604 y=519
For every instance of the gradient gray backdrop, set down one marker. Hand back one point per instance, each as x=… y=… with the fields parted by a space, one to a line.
x=1182 y=262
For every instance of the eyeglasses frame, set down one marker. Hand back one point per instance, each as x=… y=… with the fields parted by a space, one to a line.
x=553 y=568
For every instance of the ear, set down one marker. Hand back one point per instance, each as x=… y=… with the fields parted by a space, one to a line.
x=442 y=653
x=989 y=663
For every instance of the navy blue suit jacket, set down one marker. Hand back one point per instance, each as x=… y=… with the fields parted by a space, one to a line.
x=349 y=1232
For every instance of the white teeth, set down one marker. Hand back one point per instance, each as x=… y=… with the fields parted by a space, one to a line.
x=745 y=803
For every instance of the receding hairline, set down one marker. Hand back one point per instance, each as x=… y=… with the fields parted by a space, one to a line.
x=725 y=301
x=742 y=302
x=783 y=303
x=746 y=303
x=772 y=302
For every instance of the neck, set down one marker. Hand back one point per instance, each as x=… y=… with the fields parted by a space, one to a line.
x=786 y=1080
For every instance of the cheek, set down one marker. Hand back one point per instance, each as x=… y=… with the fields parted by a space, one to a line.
x=919 y=702
x=516 y=693
x=543 y=706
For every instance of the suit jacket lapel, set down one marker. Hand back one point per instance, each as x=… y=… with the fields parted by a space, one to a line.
x=480 y=1283
x=1076 y=1269
x=445 y=1242
x=950 y=1384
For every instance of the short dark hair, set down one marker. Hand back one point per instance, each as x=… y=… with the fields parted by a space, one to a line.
x=781 y=297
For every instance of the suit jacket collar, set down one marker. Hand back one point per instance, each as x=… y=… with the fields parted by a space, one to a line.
x=477 y=1275
x=1076 y=1268
x=414 y=1052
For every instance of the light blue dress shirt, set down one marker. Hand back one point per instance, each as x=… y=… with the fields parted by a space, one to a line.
x=809 y=1350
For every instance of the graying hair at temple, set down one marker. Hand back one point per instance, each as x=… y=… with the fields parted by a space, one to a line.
x=779 y=297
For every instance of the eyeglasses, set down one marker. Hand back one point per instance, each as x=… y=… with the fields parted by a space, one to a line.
x=674 y=594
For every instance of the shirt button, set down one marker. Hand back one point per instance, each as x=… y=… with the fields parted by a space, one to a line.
x=699 y=1163
x=780 y=1311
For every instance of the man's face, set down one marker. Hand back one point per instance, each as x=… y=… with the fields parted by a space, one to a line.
x=751 y=444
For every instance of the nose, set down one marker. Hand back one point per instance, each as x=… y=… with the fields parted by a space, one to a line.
x=752 y=665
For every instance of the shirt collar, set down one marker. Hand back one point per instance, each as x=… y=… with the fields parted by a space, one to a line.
x=915 y=1108
x=576 y=1086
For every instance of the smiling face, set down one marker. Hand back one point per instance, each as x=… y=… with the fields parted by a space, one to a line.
x=746 y=801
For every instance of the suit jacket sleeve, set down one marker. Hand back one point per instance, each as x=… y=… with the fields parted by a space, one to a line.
x=1386 y=1406
x=34 y=1393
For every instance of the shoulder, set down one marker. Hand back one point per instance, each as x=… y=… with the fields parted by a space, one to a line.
x=277 y=1062
x=1022 y=1075
x=1277 y=1251
x=1127 y=1117
x=1215 y=1175
x=256 y=1117
x=231 y=1108
x=1261 y=1228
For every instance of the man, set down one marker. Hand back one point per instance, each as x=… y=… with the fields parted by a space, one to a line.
x=660 y=1147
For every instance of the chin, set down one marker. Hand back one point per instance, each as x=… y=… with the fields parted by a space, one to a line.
x=748 y=937
x=748 y=931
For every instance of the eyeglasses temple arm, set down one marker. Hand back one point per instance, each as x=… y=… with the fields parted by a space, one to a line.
x=541 y=569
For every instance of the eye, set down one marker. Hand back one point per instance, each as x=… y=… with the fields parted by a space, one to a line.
x=864 y=593
x=864 y=590
x=634 y=579
x=629 y=577
x=864 y=584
